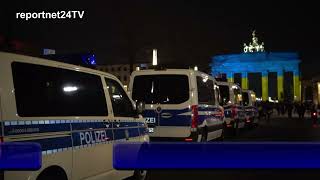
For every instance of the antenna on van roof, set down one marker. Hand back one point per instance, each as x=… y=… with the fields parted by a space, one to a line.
x=159 y=68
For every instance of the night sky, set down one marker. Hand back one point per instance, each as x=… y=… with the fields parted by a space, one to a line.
x=184 y=32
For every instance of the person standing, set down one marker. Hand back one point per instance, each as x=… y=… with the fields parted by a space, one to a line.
x=282 y=108
x=314 y=116
x=268 y=110
x=260 y=111
x=303 y=110
x=289 y=109
x=278 y=108
x=299 y=110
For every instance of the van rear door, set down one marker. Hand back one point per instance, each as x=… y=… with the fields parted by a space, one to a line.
x=167 y=99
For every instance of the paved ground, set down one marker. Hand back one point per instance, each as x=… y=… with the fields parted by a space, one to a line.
x=278 y=129
x=281 y=129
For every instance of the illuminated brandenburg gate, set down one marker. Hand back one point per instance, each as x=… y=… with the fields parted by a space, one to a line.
x=272 y=75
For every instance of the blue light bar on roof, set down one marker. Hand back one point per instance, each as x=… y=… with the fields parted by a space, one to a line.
x=89 y=59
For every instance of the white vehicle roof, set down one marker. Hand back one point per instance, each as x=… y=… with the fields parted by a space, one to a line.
x=10 y=57
x=164 y=71
x=170 y=71
x=248 y=91
x=230 y=84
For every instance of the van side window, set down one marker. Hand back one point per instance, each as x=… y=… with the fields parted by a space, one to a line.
x=217 y=93
x=49 y=91
x=205 y=91
x=121 y=104
x=245 y=98
x=237 y=96
x=162 y=89
x=225 y=94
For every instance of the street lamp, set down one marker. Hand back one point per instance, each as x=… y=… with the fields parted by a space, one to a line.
x=318 y=92
x=154 y=57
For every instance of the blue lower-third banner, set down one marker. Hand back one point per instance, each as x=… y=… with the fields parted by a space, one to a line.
x=20 y=156
x=219 y=155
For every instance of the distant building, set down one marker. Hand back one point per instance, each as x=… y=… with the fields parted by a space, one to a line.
x=122 y=71
x=311 y=90
x=272 y=75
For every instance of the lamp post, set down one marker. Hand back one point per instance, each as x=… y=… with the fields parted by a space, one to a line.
x=154 y=57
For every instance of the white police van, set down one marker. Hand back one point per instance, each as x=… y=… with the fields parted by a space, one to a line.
x=76 y=114
x=249 y=103
x=231 y=100
x=180 y=104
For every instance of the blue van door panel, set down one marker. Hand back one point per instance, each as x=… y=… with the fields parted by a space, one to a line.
x=175 y=117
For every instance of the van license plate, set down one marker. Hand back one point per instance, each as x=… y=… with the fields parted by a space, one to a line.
x=151 y=130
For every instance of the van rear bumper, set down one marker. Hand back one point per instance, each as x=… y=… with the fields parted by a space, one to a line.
x=170 y=131
x=193 y=136
x=181 y=133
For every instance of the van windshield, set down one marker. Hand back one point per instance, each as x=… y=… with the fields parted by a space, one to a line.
x=237 y=96
x=225 y=94
x=163 y=89
x=245 y=98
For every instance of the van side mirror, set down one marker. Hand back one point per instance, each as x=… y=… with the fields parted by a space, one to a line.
x=140 y=107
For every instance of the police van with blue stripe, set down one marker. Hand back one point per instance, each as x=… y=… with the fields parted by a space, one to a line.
x=180 y=104
x=249 y=103
x=76 y=114
x=231 y=100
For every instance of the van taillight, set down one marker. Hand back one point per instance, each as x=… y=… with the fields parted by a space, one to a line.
x=221 y=112
x=234 y=111
x=194 y=116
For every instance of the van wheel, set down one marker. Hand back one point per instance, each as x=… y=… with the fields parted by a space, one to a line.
x=236 y=128
x=251 y=125
x=52 y=173
x=204 y=135
x=140 y=175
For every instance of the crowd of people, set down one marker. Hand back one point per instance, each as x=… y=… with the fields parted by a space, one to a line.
x=267 y=108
